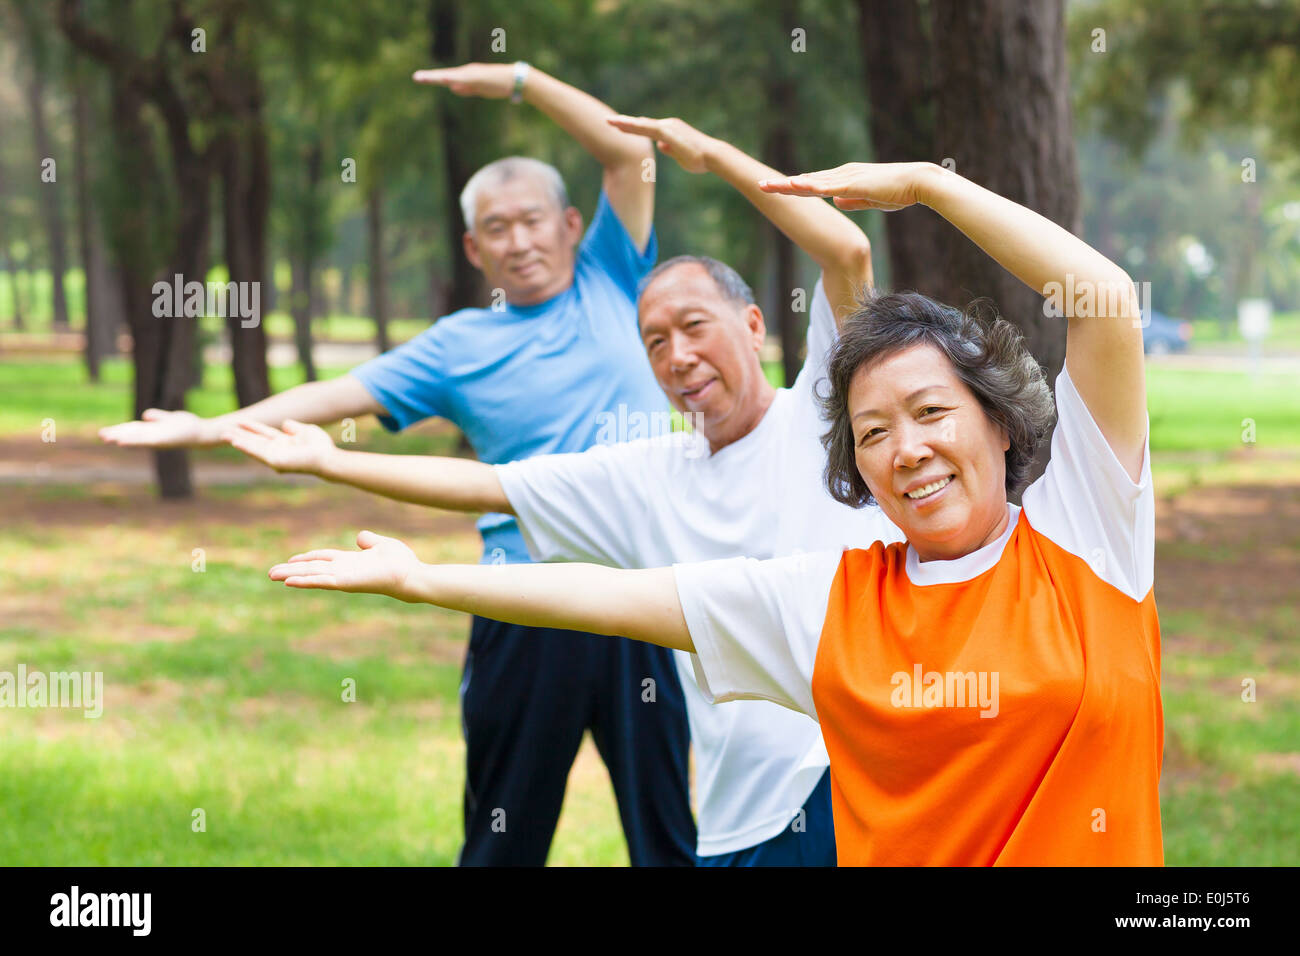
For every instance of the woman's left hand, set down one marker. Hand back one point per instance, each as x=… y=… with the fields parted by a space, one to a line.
x=382 y=566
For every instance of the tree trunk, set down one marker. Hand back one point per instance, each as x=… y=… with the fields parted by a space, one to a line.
x=463 y=124
x=100 y=332
x=300 y=306
x=110 y=313
x=344 y=306
x=245 y=177
x=160 y=351
x=304 y=242
x=49 y=193
x=437 y=288
x=779 y=152
x=1003 y=78
x=20 y=324
x=1001 y=117
x=7 y=260
x=898 y=51
x=378 y=280
x=270 y=293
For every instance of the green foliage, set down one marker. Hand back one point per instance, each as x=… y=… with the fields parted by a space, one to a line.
x=1190 y=147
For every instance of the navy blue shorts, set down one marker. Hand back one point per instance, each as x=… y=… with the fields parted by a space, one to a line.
x=527 y=696
x=814 y=845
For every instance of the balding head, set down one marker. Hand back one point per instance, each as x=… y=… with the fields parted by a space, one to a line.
x=702 y=333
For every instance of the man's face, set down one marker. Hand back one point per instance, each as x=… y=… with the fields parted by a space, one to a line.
x=703 y=350
x=523 y=242
x=928 y=451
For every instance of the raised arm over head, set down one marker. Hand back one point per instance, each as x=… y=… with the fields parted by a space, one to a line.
x=1104 y=337
x=624 y=158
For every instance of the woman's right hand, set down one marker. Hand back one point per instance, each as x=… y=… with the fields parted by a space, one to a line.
x=884 y=186
x=299 y=447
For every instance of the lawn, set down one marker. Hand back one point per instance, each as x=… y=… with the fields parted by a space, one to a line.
x=224 y=693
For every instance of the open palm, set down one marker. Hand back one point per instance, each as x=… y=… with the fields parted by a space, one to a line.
x=297 y=448
x=380 y=567
x=673 y=137
x=489 y=80
x=157 y=428
x=885 y=186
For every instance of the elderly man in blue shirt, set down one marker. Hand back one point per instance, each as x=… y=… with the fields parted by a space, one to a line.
x=541 y=371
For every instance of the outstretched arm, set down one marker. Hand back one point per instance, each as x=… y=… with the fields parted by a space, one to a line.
x=327 y=401
x=1103 y=340
x=580 y=115
x=832 y=239
x=451 y=483
x=642 y=605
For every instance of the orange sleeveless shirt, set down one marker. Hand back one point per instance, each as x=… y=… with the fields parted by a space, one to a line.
x=1013 y=719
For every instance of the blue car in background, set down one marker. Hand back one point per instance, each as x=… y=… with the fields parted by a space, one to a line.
x=1164 y=335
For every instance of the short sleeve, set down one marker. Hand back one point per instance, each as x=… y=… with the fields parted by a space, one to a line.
x=1086 y=502
x=608 y=247
x=822 y=334
x=407 y=381
x=575 y=507
x=756 y=625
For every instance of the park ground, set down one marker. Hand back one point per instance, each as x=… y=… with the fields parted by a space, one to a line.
x=223 y=691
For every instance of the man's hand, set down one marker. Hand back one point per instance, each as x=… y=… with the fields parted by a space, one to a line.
x=298 y=448
x=160 y=429
x=673 y=137
x=493 y=81
x=382 y=566
x=884 y=186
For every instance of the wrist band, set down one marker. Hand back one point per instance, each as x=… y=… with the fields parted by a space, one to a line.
x=521 y=73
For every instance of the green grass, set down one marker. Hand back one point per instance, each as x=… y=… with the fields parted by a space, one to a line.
x=1284 y=333
x=1225 y=798
x=223 y=692
x=57 y=388
x=1194 y=410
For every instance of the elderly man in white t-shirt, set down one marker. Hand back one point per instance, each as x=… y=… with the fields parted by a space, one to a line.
x=747 y=482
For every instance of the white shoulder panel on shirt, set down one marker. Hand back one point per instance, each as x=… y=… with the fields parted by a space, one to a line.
x=756 y=625
x=1086 y=503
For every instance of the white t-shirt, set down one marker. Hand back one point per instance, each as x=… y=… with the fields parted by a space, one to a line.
x=756 y=625
x=658 y=501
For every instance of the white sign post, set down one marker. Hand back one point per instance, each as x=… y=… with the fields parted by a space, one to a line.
x=1253 y=318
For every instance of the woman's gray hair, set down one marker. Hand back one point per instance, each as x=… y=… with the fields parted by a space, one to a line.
x=987 y=354
x=502 y=170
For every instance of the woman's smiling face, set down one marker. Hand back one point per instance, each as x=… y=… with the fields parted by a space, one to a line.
x=933 y=459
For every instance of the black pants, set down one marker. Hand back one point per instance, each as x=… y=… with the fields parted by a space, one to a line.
x=527 y=696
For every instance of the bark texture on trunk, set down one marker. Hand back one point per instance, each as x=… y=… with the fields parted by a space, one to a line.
x=981 y=86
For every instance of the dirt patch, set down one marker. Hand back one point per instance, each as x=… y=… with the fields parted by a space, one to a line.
x=315 y=507
x=30 y=611
x=1278 y=763
x=1233 y=555
x=351 y=640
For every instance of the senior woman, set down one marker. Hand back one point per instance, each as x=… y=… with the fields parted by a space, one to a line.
x=989 y=690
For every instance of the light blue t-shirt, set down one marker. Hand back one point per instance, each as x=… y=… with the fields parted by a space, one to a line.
x=531 y=380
